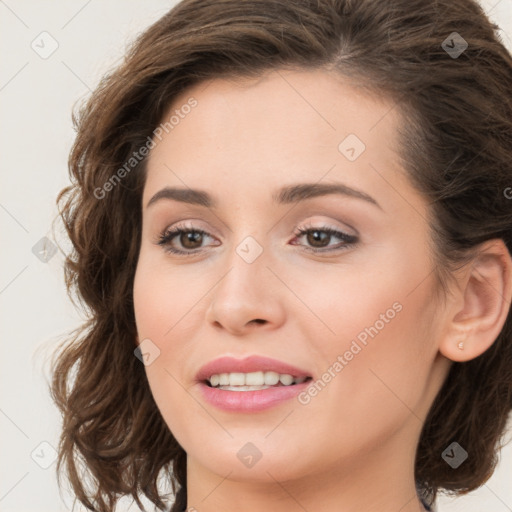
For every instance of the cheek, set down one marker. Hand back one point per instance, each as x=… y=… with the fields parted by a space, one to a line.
x=153 y=305
x=160 y=295
x=377 y=365
x=377 y=361
x=164 y=305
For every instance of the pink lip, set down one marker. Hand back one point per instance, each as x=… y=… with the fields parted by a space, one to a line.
x=249 y=401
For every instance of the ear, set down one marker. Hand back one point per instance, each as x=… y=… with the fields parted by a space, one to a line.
x=482 y=303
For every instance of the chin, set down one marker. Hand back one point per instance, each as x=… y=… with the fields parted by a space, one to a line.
x=246 y=460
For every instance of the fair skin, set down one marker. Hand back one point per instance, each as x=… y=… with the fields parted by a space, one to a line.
x=352 y=446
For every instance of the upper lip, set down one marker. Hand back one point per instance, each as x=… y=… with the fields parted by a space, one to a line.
x=249 y=364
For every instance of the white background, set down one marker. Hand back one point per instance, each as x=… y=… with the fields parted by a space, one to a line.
x=36 y=98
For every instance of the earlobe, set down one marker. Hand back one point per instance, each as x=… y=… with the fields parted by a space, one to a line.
x=485 y=295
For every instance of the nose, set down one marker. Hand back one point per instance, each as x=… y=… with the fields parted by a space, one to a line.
x=247 y=297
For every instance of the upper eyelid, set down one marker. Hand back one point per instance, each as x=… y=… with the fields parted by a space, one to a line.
x=306 y=227
x=196 y=224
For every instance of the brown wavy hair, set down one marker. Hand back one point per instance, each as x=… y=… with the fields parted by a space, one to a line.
x=457 y=150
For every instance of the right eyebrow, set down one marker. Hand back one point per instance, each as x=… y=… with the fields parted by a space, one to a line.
x=184 y=195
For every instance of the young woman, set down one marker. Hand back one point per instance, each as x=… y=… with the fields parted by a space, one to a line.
x=292 y=227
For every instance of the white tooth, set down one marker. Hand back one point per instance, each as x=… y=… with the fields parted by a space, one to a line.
x=285 y=379
x=236 y=379
x=271 y=378
x=254 y=379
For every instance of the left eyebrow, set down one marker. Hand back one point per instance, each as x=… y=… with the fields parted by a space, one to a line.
x=303 y=191
x=285 y=195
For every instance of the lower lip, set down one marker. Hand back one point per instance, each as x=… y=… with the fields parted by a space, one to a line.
x=250 y=401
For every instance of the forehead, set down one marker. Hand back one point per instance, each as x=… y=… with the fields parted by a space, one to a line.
x=285 y=126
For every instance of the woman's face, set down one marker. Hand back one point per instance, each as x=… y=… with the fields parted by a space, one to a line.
x=351 y=309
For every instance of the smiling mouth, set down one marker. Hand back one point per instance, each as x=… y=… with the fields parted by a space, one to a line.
x=253 y=381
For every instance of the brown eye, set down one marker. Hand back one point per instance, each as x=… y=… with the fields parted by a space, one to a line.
x=191 y=239
x=184 y=241
x=318 y=239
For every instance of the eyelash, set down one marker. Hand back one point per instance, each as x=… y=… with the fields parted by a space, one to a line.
x=167 y=236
